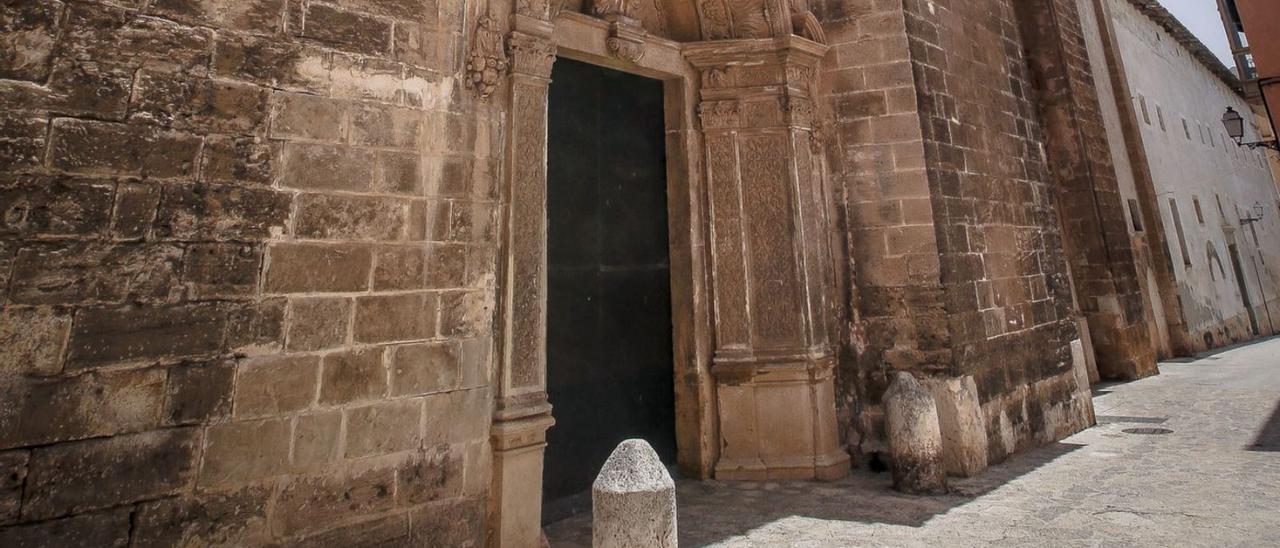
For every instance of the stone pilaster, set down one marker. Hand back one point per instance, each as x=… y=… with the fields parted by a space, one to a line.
x=771 y=282
x=523 y=415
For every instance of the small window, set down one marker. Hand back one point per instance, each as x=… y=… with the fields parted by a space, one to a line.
x=1186 y=128
x=1221 y=213
x=1142 y=103
x=1160 y=116
x=1134 y=216
x=1199 y=212
x=1182 y=236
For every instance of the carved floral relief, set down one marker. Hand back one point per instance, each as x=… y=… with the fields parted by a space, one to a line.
x=487 y=61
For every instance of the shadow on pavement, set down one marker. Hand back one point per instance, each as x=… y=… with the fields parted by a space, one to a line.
x=1269 y=435
x=714 y=511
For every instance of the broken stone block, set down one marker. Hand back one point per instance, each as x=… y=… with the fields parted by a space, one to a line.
x=915 y=438
x=633 y=500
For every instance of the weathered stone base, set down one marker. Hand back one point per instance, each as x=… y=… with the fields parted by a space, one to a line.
x=1036 y=415
x=778 y=423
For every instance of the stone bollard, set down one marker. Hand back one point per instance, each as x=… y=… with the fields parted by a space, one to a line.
x=633 y=500
x=963 y=425
x=915 y=438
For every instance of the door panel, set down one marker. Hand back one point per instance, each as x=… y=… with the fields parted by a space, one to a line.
x=609 y=340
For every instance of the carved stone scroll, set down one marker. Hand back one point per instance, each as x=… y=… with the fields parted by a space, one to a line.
x=626 y=41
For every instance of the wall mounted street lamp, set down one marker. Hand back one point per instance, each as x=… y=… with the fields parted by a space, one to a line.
x=1254 y=215
x=1235 y=129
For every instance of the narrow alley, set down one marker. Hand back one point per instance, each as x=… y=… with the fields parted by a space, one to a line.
x=1187 y=458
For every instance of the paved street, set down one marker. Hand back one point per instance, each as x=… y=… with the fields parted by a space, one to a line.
x=1211 y=477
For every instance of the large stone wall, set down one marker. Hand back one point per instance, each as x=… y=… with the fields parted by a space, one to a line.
x=1007 y=290
x=246 y=264
x=1099 y=250
x=954 y=246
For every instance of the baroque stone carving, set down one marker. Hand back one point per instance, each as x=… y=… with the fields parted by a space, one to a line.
x=625 y=44
x=487 y=61
x=805 y=23
x=751 y=19
x=537 y=9
x=727 y=19
x=715 y=77
x=612 y=10
x=800 y=76
x=798 y=109
x=626 y=35
x=719 y=114
x=715 y=20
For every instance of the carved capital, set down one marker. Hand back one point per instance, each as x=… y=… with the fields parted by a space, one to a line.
x=531 y=55
x=487 y=61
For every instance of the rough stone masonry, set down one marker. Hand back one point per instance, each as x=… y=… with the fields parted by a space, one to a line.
x=272 y=273
x=247 y=252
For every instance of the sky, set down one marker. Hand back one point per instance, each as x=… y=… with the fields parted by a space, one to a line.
x=1201 y=17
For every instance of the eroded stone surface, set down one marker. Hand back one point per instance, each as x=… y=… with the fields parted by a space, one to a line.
x=633 y=500
x=915 y=438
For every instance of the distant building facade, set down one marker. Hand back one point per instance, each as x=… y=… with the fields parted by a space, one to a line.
x=1209 y=192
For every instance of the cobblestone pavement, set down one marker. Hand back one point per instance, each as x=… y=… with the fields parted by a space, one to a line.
x=1213 y=481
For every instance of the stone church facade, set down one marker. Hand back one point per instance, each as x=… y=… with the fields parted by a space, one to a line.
x=275 y=271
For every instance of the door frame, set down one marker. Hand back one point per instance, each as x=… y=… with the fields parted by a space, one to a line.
x=521 y=411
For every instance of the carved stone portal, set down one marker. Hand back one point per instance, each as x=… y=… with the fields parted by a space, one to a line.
x=774 y=357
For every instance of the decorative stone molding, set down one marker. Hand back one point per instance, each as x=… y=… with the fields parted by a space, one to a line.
x=719 y=114
x=487 y=61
